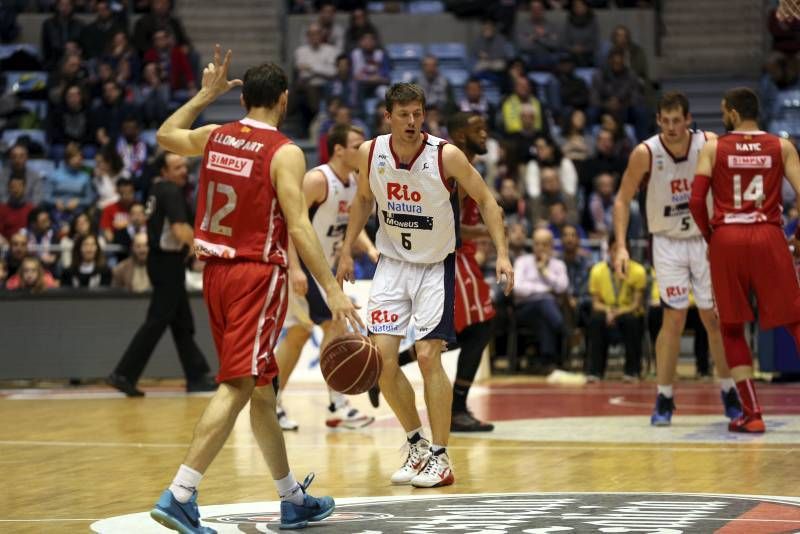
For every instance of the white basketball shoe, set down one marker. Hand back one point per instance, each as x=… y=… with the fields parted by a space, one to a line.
x=345 y=416
x=437 y=472
x=284 y=421
x=418 y=454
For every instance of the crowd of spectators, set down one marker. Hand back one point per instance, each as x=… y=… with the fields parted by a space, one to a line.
x=79 y=221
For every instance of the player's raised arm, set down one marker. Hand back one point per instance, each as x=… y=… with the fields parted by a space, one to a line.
x=700 y=187
x=288 y=167
x=360 y=210
x=455 y=164
x=637 y=169
x=176 y=134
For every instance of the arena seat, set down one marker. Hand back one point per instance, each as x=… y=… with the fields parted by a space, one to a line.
x=450 y=54
x=405 y=54
x=425 y=7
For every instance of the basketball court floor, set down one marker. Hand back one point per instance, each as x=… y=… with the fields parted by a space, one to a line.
x=562 y=459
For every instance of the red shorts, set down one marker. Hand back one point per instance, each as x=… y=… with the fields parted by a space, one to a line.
x=473 y=298
x=246 y=303
x=753 y=257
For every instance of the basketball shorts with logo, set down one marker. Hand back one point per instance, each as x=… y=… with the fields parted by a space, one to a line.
x=681 y=265
x=473 y=302
x=754 y=257
x=402 y=291
x=246 y=303
x=308 y=310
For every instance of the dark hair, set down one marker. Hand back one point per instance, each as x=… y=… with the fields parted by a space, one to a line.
x=338 y=133
x=160 y=162
x=459 y=121
x=77 y=259
x=672 y=100
x=124 y=182
x=109 y=153
x=744 y=101
x=341 y=57
x=263 y=86
x=404 y=93
x=616 y=52
x=73 y=224
x=34 y=214
x=13 y=177
x=473 y=79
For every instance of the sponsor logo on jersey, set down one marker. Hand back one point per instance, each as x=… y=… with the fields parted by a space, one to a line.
x=235 y=142
x=383 y=316
x=745 y=218
x=677 y=292
x=677 y=209
x=395 y=191
x=411 y=222
x=228 y=164
x=749 y=162
x=344 y=207
x=204 y=248
x=680 y=185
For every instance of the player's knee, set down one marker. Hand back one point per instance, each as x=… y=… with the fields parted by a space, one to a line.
x=673 y=321
x=428 y=361
x=710 y=321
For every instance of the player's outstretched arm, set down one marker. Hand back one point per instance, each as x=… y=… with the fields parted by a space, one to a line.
x=455 y=164
x=700 y=187
x=288 y=167
x=360 y=210
x=638 y=167
x=176 y=134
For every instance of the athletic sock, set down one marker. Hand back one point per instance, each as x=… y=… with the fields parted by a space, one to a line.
x=414 y=436
x=436 y=450
x=289 y=489
x=185 y=483
x=726 y=384
x=748 y=396
x=460 y=393
x=665 y=390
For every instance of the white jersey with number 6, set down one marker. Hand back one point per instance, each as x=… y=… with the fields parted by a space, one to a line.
x=669 y=187
x=329 y=218
x=416 y=215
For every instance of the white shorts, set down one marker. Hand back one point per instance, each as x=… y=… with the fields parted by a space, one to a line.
x=402 y=291
x=297 y=313
x=681 y=265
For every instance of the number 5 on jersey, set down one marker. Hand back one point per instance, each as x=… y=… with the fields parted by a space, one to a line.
x=215 y=220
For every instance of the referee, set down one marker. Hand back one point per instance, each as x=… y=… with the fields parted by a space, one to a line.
x=170 y=234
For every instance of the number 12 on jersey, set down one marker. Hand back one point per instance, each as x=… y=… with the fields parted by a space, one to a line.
x=213 y=222
x=753 y=193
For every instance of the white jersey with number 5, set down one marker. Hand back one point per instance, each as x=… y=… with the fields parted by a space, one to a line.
x=417 y=216
x=669 y=187
x=329 y=218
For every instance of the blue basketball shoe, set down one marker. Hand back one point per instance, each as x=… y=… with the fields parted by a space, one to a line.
x=662 y=413
x=185 y=518
x=295 y=516
x=732 y=404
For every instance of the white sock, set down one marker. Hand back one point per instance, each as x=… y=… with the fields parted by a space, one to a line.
x=289 y=489
x=414 y=432
x=437 y=448
x=665 y=390
x=185 y=483
x=337 y=399
x=726 y=384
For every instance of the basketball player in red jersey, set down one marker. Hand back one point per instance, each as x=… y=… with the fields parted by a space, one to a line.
x=747 y=249
x=250 y=201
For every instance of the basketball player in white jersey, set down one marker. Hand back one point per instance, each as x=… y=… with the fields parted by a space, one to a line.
x=412 y=177
x=666 y=164
x=329 y=190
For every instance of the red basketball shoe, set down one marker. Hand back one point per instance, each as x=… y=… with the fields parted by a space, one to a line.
x=751 y=424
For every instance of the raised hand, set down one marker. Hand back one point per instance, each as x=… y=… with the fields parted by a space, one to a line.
x=215 y=75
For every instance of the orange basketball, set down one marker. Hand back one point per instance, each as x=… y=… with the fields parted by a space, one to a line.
x=351 y=364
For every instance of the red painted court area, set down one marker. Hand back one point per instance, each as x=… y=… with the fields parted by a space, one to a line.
x=504 y=402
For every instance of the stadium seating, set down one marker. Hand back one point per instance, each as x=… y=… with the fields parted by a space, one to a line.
x=450 y=54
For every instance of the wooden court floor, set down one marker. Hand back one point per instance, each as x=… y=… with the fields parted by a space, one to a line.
x=69 y=457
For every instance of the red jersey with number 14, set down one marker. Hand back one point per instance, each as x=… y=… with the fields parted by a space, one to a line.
x=238 y=215
x=746 y=179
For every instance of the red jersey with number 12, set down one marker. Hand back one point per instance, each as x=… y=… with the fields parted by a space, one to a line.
x=238 y=215
x=746 y=179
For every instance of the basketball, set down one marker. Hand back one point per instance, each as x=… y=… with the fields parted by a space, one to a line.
x=351 y=364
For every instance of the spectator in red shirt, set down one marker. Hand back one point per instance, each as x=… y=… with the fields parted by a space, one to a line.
x=174 y=62
x=14 y=212
x=116 y=216
x=32 y=277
